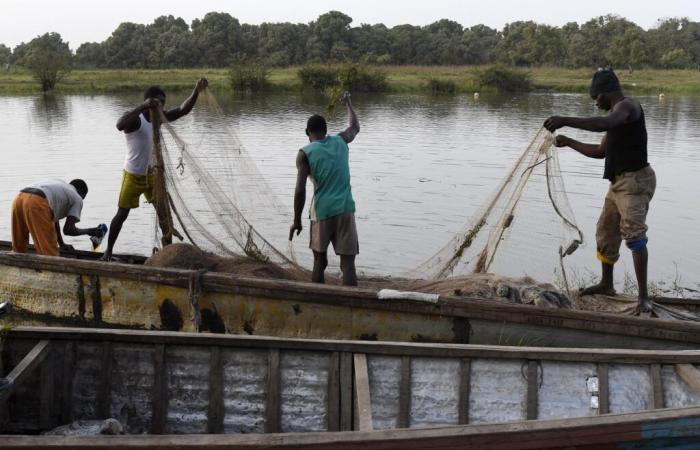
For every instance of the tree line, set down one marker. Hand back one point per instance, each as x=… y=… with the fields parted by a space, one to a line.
x=219 y=40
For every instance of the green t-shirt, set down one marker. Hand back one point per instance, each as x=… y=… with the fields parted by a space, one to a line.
x=330 y=173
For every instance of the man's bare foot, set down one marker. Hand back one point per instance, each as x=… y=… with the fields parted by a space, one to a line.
x=599 y=288
x=645 y=305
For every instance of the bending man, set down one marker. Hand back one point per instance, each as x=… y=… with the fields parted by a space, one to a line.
x=326 y=161
x=632 y=180
x=138 y=177
x=37 y=210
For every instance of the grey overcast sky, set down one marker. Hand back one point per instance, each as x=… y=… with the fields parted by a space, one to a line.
x=81 y=21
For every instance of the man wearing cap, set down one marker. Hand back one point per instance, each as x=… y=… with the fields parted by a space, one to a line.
x=326 y=161
x=37 y=210
x=632 y=180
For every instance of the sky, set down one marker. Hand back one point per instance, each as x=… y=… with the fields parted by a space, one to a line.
x=80 y=21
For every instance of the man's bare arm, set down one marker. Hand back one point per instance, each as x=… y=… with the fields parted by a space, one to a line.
x=622 y=113
x=129 y=121
x=596 y=151
x=303 y=171
x=354 y=125
x=188 y=104
x=69 y=228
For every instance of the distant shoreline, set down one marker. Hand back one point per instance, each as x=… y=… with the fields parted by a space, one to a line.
x=400 y=79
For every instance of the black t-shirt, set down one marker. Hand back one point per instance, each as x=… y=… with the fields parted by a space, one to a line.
x=627 y=148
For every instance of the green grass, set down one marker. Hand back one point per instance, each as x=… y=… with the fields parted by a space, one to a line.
x=402 y=79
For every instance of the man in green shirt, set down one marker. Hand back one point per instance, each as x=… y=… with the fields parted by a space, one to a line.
x=332 y=210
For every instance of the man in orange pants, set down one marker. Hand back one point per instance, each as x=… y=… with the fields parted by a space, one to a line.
x=37 y=210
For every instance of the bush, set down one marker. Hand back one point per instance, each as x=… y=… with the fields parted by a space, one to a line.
x=318 y=77
x=504 y=79
x=438 y=87
x=352 y=77
x=249 y=77
x=360 y=78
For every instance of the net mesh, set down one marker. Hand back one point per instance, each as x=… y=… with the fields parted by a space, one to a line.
x=212 y=188
x=208 y=192
x=475 y=247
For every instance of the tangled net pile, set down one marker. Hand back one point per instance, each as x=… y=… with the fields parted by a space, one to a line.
x=209 y=192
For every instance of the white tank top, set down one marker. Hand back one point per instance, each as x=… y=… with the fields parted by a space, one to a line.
x=139 y=146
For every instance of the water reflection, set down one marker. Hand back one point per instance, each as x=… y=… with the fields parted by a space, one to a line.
x=422 y=167
x=50 y=111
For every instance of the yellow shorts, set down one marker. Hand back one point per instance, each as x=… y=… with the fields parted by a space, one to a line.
x=132 y=188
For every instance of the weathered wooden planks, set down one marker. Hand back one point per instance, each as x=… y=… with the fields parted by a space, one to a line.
x=603 y=389
x=533 y=386
x=273 y=410
x=25 y=367
x=333 y=296
x=215 y=414
x=690 y=375
x=363 y=416
x=378 y=348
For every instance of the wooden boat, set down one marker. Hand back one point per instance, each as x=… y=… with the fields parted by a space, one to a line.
x=226 y=391
x=94 y=293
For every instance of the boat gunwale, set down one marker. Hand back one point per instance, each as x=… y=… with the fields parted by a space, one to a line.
x=557 y=433
x=305 y=292
x=592 y=355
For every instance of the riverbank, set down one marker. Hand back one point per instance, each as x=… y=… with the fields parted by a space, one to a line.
x=402 y=79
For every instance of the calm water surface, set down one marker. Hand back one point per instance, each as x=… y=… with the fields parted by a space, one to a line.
x=421 y=169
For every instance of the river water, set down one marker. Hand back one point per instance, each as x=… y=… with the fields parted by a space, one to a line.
x=422 y=167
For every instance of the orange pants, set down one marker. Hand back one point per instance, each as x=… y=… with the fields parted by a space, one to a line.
x=31 y=214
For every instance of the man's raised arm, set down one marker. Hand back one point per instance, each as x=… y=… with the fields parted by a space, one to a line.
x=354 y=126
x=188 y=104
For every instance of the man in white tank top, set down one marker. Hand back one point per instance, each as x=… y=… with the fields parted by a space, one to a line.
x=137 y=178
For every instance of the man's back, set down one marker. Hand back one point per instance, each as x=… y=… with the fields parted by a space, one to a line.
x=63 y=199
x=330 y=171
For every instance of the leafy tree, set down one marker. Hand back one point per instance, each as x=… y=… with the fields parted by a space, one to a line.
x=283 y=44
x=127 y=47
x=403 y=43
x=329 y=38
x=675 y=59
x=5 y=55
x=531 y=44
x=442 y=43
x=48 y=58
x=479 y=44
x=171 y=44
x=90 y=55
x=217 y=38
x=371 y=44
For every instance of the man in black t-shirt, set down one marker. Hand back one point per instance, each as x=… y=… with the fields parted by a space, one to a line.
x=632 y=180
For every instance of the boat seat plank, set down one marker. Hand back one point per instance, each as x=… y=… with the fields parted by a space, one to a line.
x=363 y=408
x=346 y=396
x=160 y=391
x=273 y=409
x=405 y=393
x=215 y=415
x=657 y=394
x=603 y=389
x=690 y=375
x=533 y=385
x=333 y=406
x=463 y=402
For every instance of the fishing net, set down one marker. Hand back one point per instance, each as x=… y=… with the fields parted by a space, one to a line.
x=475 y=247
x=206 y=193
x=210 y=194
